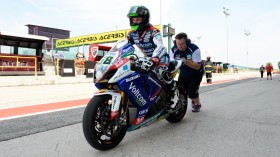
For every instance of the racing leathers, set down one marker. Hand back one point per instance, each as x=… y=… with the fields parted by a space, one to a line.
x=150 y=43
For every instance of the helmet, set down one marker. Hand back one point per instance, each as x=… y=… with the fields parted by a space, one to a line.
x=208 y=57
x=139 y=11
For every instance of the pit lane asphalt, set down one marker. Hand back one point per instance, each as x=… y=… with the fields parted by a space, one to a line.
x=239 y=119
x=29 y=125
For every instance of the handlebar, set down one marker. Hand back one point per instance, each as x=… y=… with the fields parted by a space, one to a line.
x=144 y=63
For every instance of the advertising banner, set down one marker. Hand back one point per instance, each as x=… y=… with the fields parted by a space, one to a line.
x=106 y=37
x=91 y=39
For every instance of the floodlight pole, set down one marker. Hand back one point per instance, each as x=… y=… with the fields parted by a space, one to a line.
x=247 y=33
x=226 y=12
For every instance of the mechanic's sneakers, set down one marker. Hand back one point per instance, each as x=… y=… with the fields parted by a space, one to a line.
x=174 y=99
x=196 y=108
x=193 y=104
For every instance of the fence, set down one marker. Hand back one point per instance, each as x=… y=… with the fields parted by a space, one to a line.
x=16 y=63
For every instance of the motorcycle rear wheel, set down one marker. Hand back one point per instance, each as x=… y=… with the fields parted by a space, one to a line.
x=94 y=132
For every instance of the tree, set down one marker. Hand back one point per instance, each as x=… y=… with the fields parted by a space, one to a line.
x=279 y=64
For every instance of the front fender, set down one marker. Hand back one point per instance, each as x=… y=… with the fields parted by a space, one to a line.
x=116 y=100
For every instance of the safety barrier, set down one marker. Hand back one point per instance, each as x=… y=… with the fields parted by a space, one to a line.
x=18 y=64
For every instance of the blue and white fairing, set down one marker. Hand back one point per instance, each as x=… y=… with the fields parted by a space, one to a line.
x=142 y=90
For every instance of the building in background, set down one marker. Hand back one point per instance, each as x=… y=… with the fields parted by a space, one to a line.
x=21 y=54
x=51 y=33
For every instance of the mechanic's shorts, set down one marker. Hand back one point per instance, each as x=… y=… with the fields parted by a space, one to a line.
x=268 y=74
x=191 y=85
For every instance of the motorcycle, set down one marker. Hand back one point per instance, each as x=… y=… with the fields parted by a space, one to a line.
x=128 y=98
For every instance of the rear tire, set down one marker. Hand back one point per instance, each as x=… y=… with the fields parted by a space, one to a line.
x=93 y=131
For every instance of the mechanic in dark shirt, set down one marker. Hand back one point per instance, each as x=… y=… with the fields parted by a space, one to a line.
x=192 y=70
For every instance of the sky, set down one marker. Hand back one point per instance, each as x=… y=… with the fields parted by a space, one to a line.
x=221 y=37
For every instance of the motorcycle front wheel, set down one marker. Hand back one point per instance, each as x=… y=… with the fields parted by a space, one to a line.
x=100 y=131
x=178 y=115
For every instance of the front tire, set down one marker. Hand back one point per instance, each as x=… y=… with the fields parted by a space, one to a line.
x=178 y=115
x=94 y=123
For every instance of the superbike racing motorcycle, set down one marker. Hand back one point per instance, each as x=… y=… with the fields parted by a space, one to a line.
x=128 y=98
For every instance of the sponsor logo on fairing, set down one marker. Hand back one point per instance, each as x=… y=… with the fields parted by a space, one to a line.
x=143 y=111
x=125 y=67
x=132 y=78
x=114 y=102
x=121 y=73
x=139 y=120
x=119 y=63
x=137 y=94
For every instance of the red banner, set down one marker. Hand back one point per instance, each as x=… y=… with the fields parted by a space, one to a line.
x=17 y=63
x=93 y=50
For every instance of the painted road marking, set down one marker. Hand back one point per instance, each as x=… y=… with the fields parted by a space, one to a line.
x=217 y=82
x=37 y=113
x=222 y=81
x=41 y=108
x=23 y=111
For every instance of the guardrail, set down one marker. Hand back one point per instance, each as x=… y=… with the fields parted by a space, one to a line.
x=18 y=64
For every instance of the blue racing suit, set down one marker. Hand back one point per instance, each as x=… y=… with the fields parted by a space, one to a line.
x=150 y=43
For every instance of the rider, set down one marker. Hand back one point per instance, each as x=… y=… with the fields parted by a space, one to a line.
x=149 y=40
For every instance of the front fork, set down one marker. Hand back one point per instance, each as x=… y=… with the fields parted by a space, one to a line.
x=118 y=107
